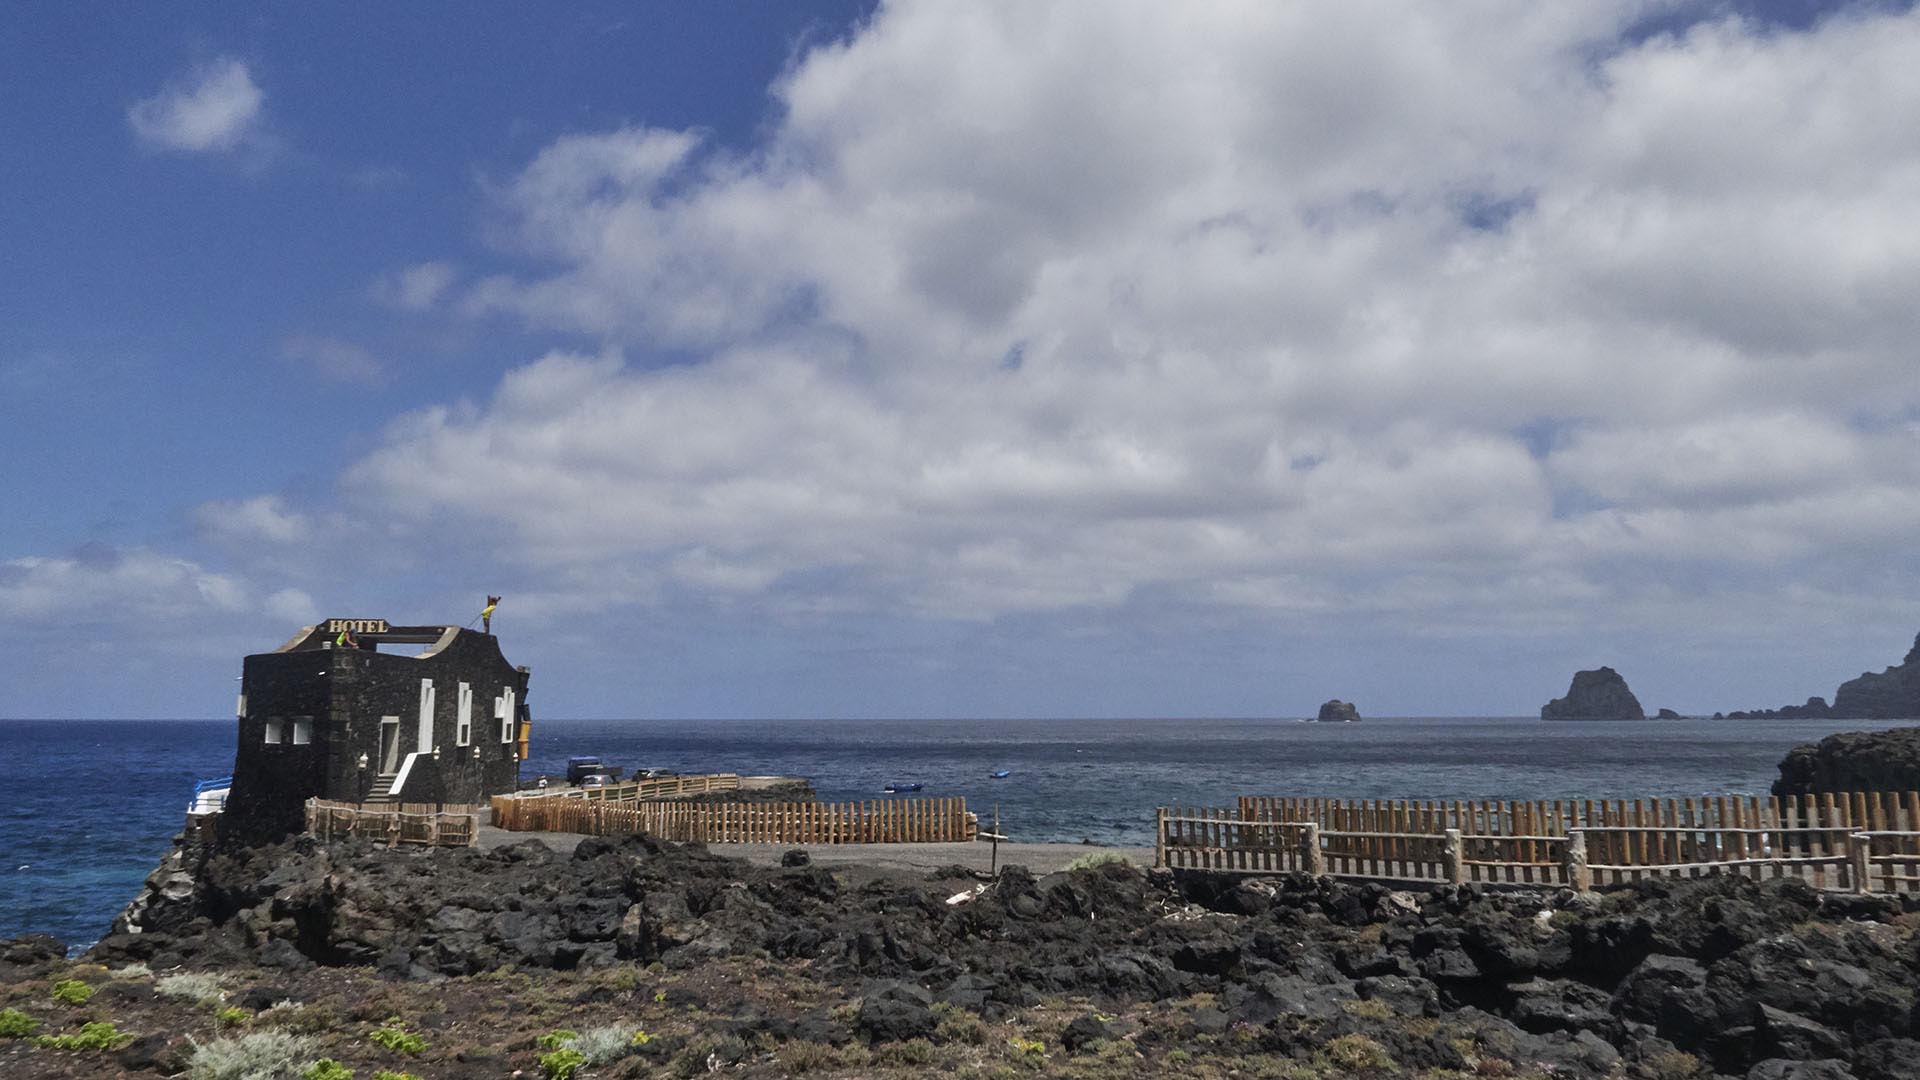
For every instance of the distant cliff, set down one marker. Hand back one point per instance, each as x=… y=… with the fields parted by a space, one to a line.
x=1893 y=694
x=1595 y=695
x=1853 y=761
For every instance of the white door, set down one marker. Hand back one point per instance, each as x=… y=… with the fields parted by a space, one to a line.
x=424 y=743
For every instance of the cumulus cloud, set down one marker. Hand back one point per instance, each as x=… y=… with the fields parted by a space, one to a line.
x=1418 y=309
x=117 y=585
x=415 y=288
x=262 y=519
x=215 y=107
x=333 y=359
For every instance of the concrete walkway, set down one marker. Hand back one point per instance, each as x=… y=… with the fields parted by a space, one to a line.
x=876 y=858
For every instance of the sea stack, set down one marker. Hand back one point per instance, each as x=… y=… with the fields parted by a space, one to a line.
x=1339 y=712
x=1595 y=695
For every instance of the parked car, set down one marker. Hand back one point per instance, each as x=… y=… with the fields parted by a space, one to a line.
x=598 y=779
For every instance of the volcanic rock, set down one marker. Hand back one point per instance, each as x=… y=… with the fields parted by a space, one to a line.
x=1595 y=695
x=1853 y=761
x=1337 y=711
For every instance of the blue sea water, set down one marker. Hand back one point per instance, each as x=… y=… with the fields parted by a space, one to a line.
x=92 y=805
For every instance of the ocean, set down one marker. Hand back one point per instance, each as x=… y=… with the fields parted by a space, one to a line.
x=92 y=805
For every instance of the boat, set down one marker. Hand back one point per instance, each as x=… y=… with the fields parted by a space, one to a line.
x=1002 y=774
x=901 y=789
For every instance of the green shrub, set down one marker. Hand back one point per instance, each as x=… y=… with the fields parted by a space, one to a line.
x=806 y=1057
x=960 y=1026
x=554 y=1040
x=327 y=1069
x=917 y=1052
x=232 y=1015
x=561 y=1064
x=299 y=1019
x=610 y=1042
x=72 y=992
x=389 y=1074
x=15 y=1024
x=249 y=1057
x=98 y=1035
x=197 y=987
x=1353 y=1053
x=397 y=1040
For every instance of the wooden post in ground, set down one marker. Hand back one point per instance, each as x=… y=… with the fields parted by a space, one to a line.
x=1579 y=877
x=1312 y=860
x=1159 y=832
x=1453 y=857
x=1859 y=866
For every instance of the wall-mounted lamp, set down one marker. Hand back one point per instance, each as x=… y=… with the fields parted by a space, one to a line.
x=363 y=761
x=436 y=753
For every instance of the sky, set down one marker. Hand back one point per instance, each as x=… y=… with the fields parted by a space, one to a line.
x=987 y=359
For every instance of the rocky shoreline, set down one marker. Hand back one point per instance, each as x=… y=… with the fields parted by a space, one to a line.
x=1108 y=970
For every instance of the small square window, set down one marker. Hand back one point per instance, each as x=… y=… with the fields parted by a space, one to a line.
x=274 y=728
x=302 y=730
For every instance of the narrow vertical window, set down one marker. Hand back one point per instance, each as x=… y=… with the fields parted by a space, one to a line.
x=423 y=740
x=503 y=708
x=302 y=730
x=240 y=709
x=463 y=726
x=273 y=730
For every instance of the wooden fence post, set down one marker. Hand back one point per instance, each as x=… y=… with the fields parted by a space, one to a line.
x=1160 y=837
x=1312 y=860
x=1860 y=866
x=1453 y=857
x=1579 y=877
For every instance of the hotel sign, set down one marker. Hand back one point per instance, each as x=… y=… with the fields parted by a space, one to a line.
x=357 y=626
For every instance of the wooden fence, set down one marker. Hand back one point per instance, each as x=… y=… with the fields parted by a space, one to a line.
x=407 y=823
x=890 y=821
x=664 y=787
x=1862 y=841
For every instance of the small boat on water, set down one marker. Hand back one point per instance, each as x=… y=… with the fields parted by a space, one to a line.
x=1002 y=774
x=901 y=789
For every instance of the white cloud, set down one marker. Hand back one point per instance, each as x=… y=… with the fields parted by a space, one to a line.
x=338 y=361
x=416 y=288
x=261 y=519
x=214 y=108
x=120 y=586
x=1403 y=308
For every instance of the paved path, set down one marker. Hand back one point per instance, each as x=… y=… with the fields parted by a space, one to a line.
x=877 y=858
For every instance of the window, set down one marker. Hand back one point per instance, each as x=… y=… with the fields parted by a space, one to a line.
x=302 y=730
x=274 y=725
x=240 y=710
x=463 y=726
x=503 y=712
x=423 y=741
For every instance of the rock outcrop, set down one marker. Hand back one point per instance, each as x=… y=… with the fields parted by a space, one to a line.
x=1595 y=695
x=1752 y=979
x=1893 y=694
x=1853 y=761
x=1339 y=712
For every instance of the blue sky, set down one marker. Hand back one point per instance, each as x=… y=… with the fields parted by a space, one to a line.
x=1409 y=355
